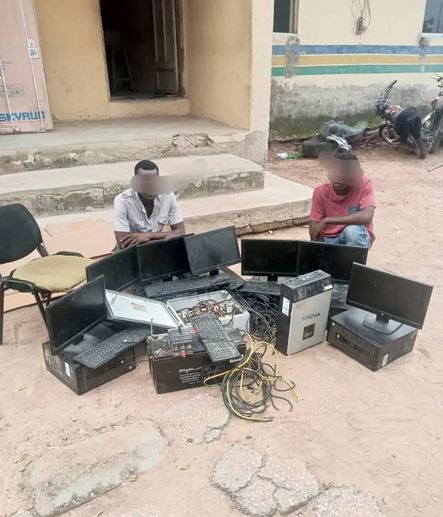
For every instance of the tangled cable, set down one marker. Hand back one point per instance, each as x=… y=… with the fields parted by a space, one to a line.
x=263 y=311
x=251 y=387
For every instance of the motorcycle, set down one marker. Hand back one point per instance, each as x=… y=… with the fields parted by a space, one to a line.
x=402 y=125
x=432 y=124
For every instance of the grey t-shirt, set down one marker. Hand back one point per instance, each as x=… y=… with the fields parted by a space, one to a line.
x=130 y=214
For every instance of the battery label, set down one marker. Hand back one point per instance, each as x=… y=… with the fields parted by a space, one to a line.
x=190 y=375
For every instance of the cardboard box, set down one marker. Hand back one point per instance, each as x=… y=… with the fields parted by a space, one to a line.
x=24 y=103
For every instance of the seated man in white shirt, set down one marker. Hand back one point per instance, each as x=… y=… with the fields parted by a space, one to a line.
x=140 y=215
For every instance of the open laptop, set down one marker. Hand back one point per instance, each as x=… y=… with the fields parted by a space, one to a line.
x=121 y=275
x=78 y=325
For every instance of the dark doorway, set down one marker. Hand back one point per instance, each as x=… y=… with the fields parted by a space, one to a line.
x=141 y=42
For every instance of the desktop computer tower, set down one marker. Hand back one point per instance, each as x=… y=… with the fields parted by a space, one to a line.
x=303 y=312
x=81 y=379
x=369 y=347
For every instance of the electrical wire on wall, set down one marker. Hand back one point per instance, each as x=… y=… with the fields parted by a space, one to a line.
x=361 y=10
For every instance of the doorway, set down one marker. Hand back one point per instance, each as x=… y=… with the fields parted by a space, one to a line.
x=142 y=47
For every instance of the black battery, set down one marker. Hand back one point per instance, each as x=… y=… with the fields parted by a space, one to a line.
x=174 y=369
x=81 y=379
x=369 y=347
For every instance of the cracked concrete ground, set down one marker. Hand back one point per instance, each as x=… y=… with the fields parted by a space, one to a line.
x=63 y=478
x=200 y=419
x=262 y=486
x=360 y=433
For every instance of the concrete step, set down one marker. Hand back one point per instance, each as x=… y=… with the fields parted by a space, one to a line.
x=108 y=141
x=282 y=203
x=92 y=187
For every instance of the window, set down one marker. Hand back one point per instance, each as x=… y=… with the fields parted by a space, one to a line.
x=286 y=16
x=433 y=22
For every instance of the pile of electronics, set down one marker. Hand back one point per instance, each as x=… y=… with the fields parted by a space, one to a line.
x=178 y=302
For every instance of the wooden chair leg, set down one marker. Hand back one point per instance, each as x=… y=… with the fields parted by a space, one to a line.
x=2 y=308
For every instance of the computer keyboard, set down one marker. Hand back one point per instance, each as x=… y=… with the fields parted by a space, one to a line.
x=103 y=352
x=190 y=285
x=213 y=336
x=260 y=288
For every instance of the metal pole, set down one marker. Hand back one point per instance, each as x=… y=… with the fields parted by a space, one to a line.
x=435 y=167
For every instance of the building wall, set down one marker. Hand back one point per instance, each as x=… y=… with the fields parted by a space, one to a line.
x=227 y=63
x=218 y=59
x=71 y=39
x=327 y=72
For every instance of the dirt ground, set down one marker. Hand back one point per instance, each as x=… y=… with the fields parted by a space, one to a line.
x=381 y=432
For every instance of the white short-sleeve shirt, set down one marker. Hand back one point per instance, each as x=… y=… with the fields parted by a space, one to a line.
x=130 y=214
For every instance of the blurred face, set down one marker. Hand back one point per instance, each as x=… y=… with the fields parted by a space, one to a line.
x=146 y=183
x=343 y=174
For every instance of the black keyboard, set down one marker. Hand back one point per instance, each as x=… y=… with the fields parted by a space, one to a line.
x=260 y=288
x=114 y=345
x=189 y=285
x=213 y=336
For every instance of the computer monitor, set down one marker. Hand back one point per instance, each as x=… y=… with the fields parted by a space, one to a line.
x=162 y=259
x=210 y=250
x=388 y=297
x=119 y=269
x=334 y=259
x=75 y=314
x=269 y=257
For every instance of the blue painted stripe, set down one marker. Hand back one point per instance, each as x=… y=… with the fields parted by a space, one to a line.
x=281 y=50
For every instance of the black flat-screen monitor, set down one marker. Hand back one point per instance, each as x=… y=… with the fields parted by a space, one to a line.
x=119 y=269
x=75 y=314
x=334 y=259
x=162 y=259
x=269 y=257
x=388 y=296
x=210 y=250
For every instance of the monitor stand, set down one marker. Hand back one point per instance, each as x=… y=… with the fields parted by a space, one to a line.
x=214 y=272
x=381 y=324
x=272 y=278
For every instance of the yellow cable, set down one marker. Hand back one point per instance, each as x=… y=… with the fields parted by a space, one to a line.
x=254 y=347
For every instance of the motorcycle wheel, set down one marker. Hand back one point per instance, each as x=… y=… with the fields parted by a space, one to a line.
x=418 y=147
x=387 y=133
x=436 y=139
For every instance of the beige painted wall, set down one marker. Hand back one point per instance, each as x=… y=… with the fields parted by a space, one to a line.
x=72 y=45
x=394 y=22
x=262 y=17
x=218 y=59
x=227 y=63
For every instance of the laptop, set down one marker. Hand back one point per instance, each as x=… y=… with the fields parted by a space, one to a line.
x=78 y=325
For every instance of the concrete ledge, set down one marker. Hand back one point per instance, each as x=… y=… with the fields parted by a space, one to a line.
x=92 y=187
x=281 y=203
x=73 y=144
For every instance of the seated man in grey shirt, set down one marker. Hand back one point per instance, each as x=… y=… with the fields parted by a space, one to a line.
x=140 y=214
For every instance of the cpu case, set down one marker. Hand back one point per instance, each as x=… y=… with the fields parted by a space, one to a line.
x=368 y=346
x=303 y=312
x=81 y=379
